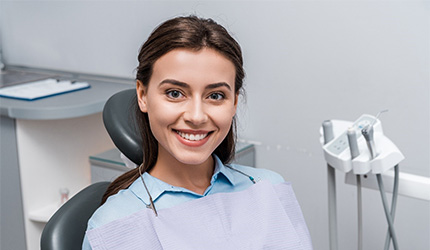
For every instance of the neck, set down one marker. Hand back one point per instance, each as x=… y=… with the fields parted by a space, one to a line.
x=195 y=178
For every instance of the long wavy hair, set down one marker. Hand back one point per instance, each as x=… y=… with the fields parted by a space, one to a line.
x=188 y=32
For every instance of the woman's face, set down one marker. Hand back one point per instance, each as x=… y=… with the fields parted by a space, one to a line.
x=190 y=101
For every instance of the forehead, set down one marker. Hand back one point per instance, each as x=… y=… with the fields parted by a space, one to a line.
x=200 y=67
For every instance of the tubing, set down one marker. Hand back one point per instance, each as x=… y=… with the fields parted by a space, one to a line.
x=359 y=214
x=332 y=212
x=387 y=212
x=393 y=204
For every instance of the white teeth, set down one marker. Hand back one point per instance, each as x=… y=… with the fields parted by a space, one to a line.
x=192 y=137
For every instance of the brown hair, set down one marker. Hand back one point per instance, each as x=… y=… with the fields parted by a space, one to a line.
x=189 y=32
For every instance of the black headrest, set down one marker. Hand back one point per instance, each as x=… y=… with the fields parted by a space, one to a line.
x=120 y=122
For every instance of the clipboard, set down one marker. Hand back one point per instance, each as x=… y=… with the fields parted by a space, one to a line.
x=42 y=89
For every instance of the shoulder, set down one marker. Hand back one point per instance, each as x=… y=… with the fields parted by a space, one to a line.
x=260 y=173
x=117 y=206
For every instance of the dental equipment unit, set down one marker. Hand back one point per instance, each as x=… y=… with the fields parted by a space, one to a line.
x=360 y=148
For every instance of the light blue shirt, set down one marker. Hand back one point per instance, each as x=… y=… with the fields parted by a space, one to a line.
x=164 y=195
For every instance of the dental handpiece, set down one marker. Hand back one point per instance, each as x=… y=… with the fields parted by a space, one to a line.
x=352 y=141
x=367 y=132
x=353 y=146
x=328 y=131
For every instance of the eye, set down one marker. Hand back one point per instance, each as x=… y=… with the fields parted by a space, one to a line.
x=174 y=94
x=216 y=96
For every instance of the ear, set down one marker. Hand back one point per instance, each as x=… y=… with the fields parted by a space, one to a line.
x=236 y=99
x=141 y=96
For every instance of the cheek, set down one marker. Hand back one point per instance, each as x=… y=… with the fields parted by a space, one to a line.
x=161 y=116
x=223 y=118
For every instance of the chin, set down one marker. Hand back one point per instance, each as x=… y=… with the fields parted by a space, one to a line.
x=193 y=159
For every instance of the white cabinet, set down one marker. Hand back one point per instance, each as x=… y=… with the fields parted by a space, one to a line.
x=45 y=146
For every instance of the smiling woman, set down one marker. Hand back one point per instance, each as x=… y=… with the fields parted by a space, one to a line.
x=191 y=103
x=188 y=82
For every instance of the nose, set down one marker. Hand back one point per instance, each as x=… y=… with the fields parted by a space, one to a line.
x=195 y=113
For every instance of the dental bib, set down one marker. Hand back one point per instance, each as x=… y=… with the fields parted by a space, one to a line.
x=264 y=216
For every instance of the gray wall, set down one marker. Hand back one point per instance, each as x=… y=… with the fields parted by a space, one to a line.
x=306 y=61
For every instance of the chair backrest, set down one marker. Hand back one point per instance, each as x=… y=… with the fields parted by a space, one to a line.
x=120 y=122
x=66 y=228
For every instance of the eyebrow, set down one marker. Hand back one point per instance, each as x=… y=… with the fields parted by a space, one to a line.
x=185 y=85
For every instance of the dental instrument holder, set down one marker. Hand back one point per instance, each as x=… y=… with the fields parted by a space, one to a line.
x=357 y=159
x=338 y=154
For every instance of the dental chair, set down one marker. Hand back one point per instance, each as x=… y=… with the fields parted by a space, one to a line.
x=66 y=228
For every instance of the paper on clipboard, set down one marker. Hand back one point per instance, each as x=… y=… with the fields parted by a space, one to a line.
x=41 y=89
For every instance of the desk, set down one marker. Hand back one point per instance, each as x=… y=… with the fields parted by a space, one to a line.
x=45 y=145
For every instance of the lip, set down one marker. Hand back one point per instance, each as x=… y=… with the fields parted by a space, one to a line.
x=192 y=131
x=195 y=132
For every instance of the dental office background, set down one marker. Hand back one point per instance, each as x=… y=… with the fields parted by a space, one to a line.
x=306 y=61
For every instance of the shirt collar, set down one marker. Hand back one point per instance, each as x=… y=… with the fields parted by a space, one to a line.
x=157 y=187
x=220 y=168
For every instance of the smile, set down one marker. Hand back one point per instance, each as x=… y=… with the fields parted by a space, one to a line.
x=192 y=137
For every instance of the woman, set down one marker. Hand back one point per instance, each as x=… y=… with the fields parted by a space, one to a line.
x=189 y=78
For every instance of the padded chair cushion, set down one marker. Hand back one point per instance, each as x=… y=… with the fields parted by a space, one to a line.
x=120 y=123
x=66 y=228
